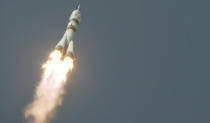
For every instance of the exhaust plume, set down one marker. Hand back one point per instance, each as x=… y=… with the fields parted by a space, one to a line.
x=50 y=90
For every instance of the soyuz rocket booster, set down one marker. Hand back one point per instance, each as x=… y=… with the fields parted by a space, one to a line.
x=66 y=44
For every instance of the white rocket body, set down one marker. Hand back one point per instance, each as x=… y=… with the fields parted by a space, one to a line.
x=66 y=44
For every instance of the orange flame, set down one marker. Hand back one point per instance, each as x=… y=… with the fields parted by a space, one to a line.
x=48 y=94
x=57 y=65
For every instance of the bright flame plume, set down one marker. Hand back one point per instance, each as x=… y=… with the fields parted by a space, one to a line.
x=49 y=92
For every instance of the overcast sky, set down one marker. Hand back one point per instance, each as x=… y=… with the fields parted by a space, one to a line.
x=138 y=61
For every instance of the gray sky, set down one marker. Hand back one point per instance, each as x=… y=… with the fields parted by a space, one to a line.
x=138 y=61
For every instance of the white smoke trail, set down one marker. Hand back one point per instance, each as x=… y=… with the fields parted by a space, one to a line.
x=49 y=93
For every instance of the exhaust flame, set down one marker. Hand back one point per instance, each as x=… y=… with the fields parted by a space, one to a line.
x=49 y=92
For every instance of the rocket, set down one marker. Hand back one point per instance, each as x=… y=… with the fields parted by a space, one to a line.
x=66 y=44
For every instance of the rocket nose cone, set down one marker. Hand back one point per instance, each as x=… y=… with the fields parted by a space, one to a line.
x=78 y=7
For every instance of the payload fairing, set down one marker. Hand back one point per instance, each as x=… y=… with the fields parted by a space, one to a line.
x=66 y=44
